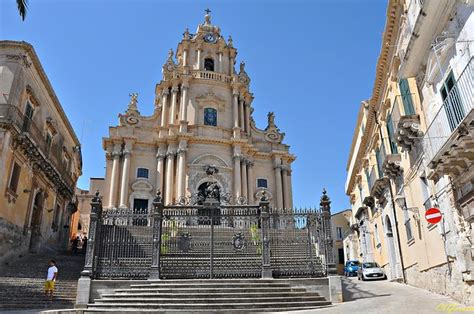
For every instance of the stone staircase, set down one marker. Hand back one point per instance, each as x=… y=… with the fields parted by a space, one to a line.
x=22 y=282
x=222 y=295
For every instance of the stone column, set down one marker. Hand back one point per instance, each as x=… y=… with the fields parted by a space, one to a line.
x=198 y=59
x=125 y=175
x=289 y=187
x=183 y=124
x=237 y=176
x=115 y=176
x=160 y=161
x=278 y=183
x=220 y=62
x=185 y=57
x=181 y=177
x=286 y=193
x=164 y=106
x=169 y=176
x=250 y=182
x=243 y=168
x=174 y=97
x=241 y=113
x=235 y=113
x=231 y=65
x=247 y=119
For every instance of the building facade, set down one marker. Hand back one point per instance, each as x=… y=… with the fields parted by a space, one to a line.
x=40 y=157
x=202 y=125
x=81 y=218
x=340 y=227
x=412 y=149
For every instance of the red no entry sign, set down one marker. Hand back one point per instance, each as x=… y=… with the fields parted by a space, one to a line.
x=433 y=215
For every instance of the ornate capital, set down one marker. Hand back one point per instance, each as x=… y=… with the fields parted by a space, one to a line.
x=175 y=88
x=127 y=152
x=165 y=92
x=170 y=154
x=237 y=157
x=160 y=156
x=181 y=151
x=235 y=92
x=116 y=154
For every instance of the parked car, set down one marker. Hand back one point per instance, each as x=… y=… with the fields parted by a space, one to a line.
x=351 y=268
x=370 y=271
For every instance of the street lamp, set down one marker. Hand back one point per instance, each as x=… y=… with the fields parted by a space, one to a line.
x=401 y=201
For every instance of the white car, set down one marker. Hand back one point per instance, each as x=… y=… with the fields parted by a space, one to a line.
x=370 y=271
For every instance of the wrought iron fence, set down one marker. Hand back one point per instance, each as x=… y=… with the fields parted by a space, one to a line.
x=457 y=105
x=208 y=240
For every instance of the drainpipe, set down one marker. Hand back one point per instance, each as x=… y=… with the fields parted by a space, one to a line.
x=395 y=220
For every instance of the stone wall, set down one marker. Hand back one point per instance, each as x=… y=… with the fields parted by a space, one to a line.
x=444 y=279
x=13 y=241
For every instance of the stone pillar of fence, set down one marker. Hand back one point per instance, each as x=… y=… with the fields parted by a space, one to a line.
x=157 y=230
x=84 y=283
x=325 y=205
x=265 y=226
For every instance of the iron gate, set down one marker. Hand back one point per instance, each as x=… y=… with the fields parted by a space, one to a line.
x=207 y=240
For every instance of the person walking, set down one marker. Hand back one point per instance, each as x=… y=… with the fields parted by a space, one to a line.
x=75 y=245
x=50 y=279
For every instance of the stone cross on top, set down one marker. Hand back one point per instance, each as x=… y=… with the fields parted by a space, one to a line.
x=207 y=11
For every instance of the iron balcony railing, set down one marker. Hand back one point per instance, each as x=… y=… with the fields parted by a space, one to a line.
x=53 y=152
x=455 y=108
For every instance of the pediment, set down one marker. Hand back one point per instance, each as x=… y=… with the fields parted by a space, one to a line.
x=209 y=98
x=142 y=185
x=209 y=160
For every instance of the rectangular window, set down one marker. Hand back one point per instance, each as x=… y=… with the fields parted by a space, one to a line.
x=391 y=134
x=15 y=178
x=452 y=102
x=262 y=183
x=378 y=157
x=28 y=117
x=142 y=173
x=407 y=225
x=406 y=97
x=339 y=233
x=341 y=255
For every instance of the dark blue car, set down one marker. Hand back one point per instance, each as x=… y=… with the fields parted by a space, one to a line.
x=351 y=268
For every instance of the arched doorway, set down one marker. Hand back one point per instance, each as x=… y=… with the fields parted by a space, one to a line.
x=391 y=247
x=36 y=217
x=206 y=213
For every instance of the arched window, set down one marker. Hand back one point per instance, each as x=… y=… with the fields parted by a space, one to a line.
x=210 y=116
x=208 y=64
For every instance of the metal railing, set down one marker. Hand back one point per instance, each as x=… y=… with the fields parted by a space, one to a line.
x=52 y=152
x=456 y=106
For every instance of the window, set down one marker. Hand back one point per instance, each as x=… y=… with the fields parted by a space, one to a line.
x=338 y=233
x=208 y=64
x=262 y=183
x=406 y=97
x=15 y=178
x=142 y=173
x=210 y=116
x=408 y=230
x=452 y=102
x=391 y=134
x=378 y=157
x=28 y=117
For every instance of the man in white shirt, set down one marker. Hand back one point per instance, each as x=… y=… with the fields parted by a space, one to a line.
x=50 y=279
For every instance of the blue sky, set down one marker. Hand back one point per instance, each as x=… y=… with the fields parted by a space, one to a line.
x=311 y=62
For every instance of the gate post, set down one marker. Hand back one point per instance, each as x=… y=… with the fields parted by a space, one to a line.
x=157 y=228
x=325 y=206
x=265 y=223
x=84 y=283
x=94 y=231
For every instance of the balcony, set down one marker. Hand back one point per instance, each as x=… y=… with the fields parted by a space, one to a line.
x=377 y=185
x=449 y=139
x=213 y=76
x=392 y=166
x=47 y=156
x=406 y=124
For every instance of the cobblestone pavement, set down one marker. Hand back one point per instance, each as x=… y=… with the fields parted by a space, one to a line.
x=388 y=297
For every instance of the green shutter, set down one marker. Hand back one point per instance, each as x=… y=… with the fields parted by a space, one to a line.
x=406 y=97
x=391 y=132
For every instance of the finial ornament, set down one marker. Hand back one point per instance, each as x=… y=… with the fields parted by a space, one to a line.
x=170 y=55
x=186 y=34
x=207 y=11
x=229 y=41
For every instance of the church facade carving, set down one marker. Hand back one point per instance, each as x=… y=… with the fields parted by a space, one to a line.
x=201 y=132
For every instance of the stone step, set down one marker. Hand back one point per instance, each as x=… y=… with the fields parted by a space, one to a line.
x=210 y=299
x=205 y=285
x=211 y=290
x=211 y=295
x=234 y=310
x=186 y=306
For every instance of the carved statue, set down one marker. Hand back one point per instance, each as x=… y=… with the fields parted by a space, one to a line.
x=133 y=101
x=211 y=170
x=271 y=119
x=242 y=67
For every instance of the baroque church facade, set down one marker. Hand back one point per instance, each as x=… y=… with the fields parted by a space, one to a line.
x=201 y=132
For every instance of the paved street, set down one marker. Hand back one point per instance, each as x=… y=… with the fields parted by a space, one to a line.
x=386 y=297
